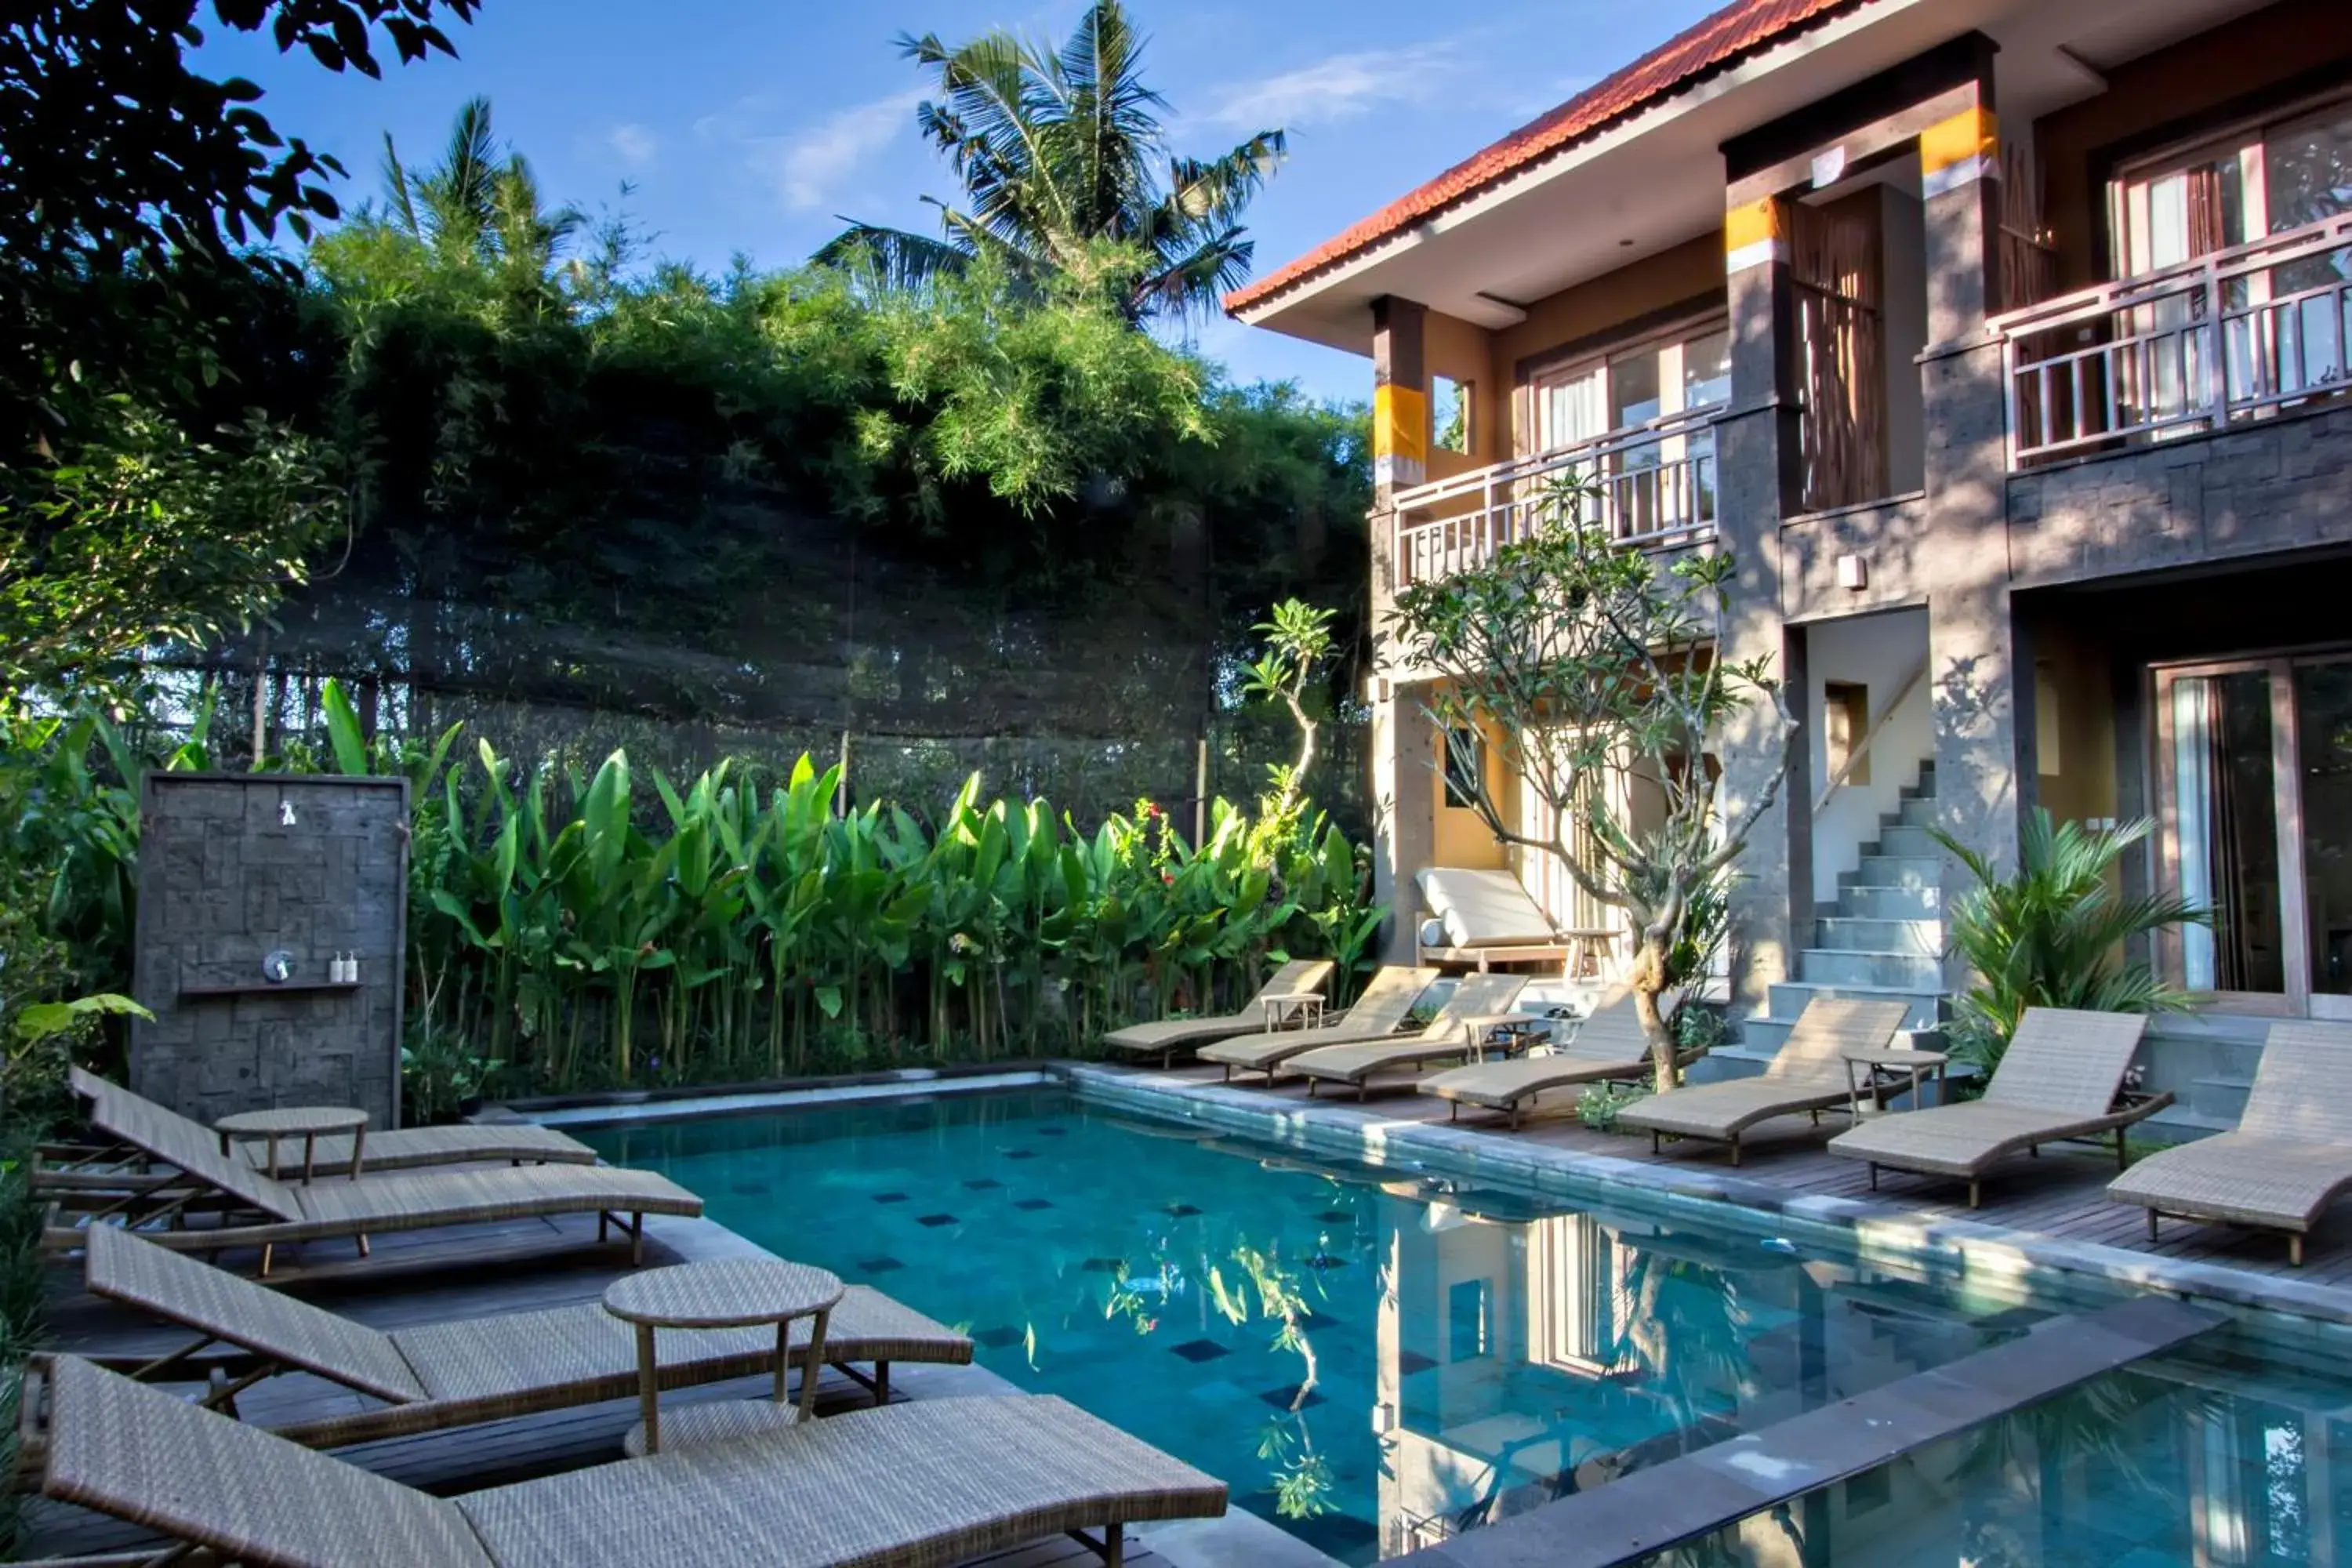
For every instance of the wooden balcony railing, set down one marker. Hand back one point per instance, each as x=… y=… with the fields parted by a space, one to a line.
x=2231 y=336
x=1648 y=484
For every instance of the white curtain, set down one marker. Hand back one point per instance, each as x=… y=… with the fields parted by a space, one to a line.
x=2193 y=706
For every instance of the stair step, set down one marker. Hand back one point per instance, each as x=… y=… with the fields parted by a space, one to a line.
x=1858 y=934
x=1895 y=872
x=1861 y=902
x=1786 y=999
x=2219 y=1095
x=1905 y=842
x=1912 y=811
x=1727 y=1062
x=1900 y=970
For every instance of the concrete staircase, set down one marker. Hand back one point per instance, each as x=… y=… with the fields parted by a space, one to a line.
x=1883 y=940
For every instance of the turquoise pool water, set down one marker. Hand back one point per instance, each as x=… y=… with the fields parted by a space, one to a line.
x=2223 y=1454
x=1371 y=1360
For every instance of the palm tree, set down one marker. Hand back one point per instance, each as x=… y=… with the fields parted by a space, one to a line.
x=477 y=205
x=1055 y=150
x=2049 y=933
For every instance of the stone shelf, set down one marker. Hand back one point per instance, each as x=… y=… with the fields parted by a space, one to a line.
x=269 y=988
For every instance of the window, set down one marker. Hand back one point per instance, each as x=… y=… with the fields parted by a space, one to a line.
x=2283 y=328
x=1646 y=483
x=1846 y=721
x=1468 y=1303
x=1449 y=414
x=1465 y=765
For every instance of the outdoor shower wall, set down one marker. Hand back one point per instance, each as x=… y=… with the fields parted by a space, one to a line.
x=233 y=868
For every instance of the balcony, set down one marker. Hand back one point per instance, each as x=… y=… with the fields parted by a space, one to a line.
x=1647 y=485
x=2235 y=335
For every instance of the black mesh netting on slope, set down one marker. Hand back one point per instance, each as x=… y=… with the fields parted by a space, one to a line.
x=1089 y=685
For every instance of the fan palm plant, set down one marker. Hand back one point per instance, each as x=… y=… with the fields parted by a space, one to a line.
x=1057 y=150
x=2051 y=933
x=476 y=204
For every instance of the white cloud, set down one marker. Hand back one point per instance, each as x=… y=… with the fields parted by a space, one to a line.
x=1337 y=87
x=811 y=167
x=633 y=146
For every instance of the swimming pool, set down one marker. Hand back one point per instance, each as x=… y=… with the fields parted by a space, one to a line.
x=1372 y=1360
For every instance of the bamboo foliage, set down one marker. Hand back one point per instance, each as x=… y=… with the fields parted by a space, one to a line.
x=621 y=928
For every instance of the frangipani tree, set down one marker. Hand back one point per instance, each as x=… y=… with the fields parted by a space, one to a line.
x=1591 y=667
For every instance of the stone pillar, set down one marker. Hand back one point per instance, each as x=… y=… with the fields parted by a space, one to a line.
x=1981 y=674
x=1404 y=809
x=1758 y=479
x=1399 y=399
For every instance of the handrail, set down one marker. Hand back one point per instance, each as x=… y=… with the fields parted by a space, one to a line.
x=1609 y=443
x=1650 y=484
x=2271 y=250
x=2193 y=347
x=1854 y=758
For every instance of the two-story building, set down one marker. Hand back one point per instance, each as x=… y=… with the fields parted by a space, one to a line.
x=2005 y=344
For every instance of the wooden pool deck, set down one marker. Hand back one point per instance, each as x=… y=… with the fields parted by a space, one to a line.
x=2061 y=1195
x=423 y=1276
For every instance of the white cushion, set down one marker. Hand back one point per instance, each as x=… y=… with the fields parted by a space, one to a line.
x=1484 y=909
x=1432 y=934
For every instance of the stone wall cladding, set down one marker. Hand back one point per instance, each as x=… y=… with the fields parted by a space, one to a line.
x=2278 y=484
x=224 y=881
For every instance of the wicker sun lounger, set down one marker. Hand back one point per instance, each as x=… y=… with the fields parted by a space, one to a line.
x=393 y=1149
x=1609 y=1047
x=1807 y=1074
x=2290 y=1158
x=1170 y=1035
x=459 y=1374
x=1379 y=1012
x=923 y=1483
x=2061 y=1079
x=1447 y=1039
x=230 y=1192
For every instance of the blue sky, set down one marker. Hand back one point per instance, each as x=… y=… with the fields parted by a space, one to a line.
x=746 y=127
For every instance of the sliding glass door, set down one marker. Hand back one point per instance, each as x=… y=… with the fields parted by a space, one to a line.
x=2254 y=796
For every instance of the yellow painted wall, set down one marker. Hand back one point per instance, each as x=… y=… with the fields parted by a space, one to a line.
x=1593 y=309
x=2074 y=717
x=1458 y=836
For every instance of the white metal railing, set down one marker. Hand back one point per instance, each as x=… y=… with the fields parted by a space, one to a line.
x=1651 y=483
x=2231 y=336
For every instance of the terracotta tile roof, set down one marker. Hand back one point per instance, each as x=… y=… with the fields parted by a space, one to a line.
x=1741 y=28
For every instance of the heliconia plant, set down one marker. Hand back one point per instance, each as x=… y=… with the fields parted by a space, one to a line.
x=623 y=929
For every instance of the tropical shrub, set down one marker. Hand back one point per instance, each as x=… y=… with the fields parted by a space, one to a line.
x=1601 y=1104
x=623 y=929
x=2055 y=933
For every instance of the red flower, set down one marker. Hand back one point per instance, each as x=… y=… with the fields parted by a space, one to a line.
x=1169 y=877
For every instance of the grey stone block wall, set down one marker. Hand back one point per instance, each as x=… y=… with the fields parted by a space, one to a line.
x=223 y=880
x=2283 y=483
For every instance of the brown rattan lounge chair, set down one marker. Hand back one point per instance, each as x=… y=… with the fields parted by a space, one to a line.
x=2290 y=1158
x=1447 y=1039
x=393 y=1149
x=922 y=1483
x=1609 y=1047
x=206 y=1183
x=1379 y=1012
x=1170 y=1035
x=1807 y=1074
x=2062 y=1077
x=459 y=1374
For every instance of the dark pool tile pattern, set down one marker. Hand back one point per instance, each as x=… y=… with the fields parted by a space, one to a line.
x=1081 y=1282
x=1197 y=1351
